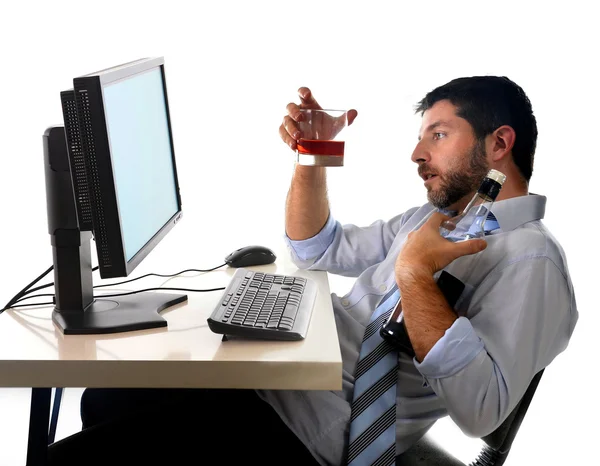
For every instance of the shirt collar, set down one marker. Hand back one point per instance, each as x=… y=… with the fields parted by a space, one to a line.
x=516 y=211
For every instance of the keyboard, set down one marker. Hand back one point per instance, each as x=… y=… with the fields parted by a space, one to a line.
x=265 y=306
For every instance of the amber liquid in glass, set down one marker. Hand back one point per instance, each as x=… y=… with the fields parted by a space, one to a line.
x=314 y=147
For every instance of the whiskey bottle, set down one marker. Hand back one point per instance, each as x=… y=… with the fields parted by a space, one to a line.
x=470 y=223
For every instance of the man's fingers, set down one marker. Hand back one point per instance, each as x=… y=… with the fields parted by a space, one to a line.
x=285 y=136
x=294 y=111
x=437 y=218
x=471 y=246
x=352 y=114
x=307 y=99
x=434 y=221
x=291 y=127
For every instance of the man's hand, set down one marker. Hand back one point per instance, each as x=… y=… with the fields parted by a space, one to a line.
x=425 y=251
x=289 y=131
x=427 y=314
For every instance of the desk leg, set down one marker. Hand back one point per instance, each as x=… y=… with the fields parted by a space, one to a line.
x=39 y=417
x=55 y=409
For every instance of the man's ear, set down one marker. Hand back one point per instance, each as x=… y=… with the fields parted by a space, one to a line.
x=501 y=142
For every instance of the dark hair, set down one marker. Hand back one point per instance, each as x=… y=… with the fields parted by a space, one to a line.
x=488 y=102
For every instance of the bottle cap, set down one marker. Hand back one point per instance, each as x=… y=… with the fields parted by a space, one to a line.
x=497 y=176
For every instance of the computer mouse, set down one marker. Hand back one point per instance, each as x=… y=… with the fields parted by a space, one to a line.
x=249 y=256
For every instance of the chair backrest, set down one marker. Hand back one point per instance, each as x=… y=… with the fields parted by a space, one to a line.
x=496 y=445
x=502 y=438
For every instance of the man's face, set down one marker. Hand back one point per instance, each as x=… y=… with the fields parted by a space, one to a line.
x=448 y=150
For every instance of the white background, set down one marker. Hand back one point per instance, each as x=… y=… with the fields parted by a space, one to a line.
x=232 y=66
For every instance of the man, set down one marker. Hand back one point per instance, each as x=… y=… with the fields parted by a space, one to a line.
x=473 y=362
x=517 y=311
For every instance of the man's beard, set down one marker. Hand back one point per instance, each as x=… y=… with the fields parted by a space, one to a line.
x=462 y=180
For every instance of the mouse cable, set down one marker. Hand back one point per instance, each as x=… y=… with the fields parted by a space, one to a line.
x=25 y=291
x=109 y=295
x=131 y=280
x=160 y=275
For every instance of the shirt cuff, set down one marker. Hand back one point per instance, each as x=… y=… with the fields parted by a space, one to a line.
x=451 y=353
x=314 y=247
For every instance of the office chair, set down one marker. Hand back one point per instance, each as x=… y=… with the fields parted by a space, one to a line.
x=496 y=446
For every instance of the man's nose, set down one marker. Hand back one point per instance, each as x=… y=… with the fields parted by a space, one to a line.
x=420 y=154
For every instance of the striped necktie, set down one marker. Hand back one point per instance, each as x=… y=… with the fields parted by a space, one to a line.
x=491 y=223
x=373 y=412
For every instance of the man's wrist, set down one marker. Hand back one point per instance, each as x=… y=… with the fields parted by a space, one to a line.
x=310 y=173
x=407 y=275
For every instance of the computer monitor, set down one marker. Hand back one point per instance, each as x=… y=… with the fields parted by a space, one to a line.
x=118 y=168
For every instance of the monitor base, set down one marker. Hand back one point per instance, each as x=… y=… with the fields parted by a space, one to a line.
x=119 y=314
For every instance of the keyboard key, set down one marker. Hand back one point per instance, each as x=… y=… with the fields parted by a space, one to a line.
x=284 y=326
x=290 y=311
x=287 y=320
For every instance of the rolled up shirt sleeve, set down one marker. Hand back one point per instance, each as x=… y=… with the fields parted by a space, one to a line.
x=314 y=247
x=520 y=318
x=451 y=353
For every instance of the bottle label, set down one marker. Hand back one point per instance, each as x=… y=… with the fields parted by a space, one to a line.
x=490 y=188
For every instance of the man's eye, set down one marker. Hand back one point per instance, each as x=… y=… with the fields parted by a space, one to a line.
x=439 y=135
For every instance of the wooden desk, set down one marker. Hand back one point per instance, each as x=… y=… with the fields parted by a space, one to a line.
x=35 y=353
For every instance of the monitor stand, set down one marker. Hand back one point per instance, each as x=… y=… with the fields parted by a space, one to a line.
x=76 y=310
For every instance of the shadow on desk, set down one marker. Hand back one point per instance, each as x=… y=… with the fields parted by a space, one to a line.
x=77 y=347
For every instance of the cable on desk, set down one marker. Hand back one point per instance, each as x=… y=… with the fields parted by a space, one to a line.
x=109 y=295
x=32 y=304
x=129 y=281
x=22 y=295
x=159 y=275
x=153 y=289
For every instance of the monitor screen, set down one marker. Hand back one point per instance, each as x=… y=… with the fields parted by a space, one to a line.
x=119 y=173
x=142 y=159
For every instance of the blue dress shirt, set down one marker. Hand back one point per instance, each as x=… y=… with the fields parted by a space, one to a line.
x=515 y=315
